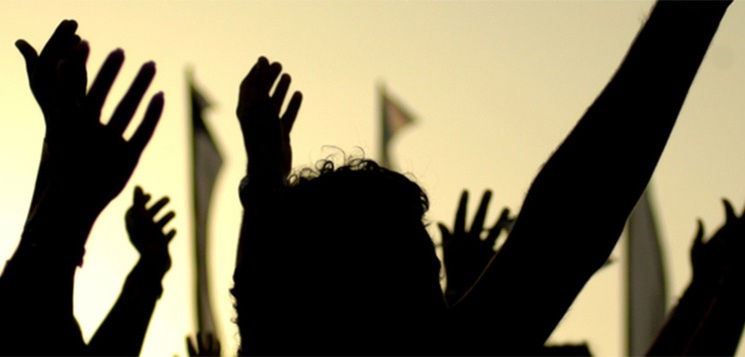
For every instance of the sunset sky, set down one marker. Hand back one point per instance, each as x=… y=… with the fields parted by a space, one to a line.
x=495 y=87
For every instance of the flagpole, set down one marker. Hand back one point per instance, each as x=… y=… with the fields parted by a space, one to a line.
x=384 y=160
x=646 y=290
x=206 y=162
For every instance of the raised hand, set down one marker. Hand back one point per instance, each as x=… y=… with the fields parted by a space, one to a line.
x=42 y=69
x=147 y=233
x=720 y=257
x=266 y=134
x=82 y=154
x=467 y=253
x=709 y=318
x=206 y=344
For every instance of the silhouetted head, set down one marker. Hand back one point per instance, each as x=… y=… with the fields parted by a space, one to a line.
x=351 y=267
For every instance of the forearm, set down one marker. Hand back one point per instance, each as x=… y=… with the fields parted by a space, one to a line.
x=720 y=329
x=675 y=336
x=591 y=183
x=123 y=331
x=51 y=247
x=603 y=166
x=43 y=266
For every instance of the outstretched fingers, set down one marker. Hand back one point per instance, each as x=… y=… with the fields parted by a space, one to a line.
x=145 y=131
x=101 y=86
x=157 y=206
x=459 y=228
x=288 y=118
x=73 y=78
x=140 y=199
x=729 y=211
x=128 y=105
x=165 y=219
x=30 y=56
x=698 y=243
x=62 y=38
x=447 y=237
x=269 y=76
x=281 y=91
x=478 y=220
x=502 y=223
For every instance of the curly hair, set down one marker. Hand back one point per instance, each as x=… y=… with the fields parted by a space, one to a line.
x=362 y=174
x=345 y=245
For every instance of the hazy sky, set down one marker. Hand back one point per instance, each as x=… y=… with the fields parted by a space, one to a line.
x=495 y=86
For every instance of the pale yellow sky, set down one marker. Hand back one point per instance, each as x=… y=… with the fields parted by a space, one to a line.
x=496 y=85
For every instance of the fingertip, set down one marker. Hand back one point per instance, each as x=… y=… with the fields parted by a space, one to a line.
x=25 y=48
x=149 y=66
x=85 y=44
x=70 y=23
x=117 y=54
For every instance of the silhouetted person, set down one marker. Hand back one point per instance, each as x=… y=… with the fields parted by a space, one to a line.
x=124 y=328
x=595 y=177
x=85 y=164
x=341 y=264
x=709 y=318
x=316 y=267
x=465 y=253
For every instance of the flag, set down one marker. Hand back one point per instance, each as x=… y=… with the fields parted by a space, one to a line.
x=646 y=278
x=206 y=162
x=393 y=118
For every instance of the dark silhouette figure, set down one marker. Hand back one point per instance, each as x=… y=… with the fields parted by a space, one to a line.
x=85 y=164
x=709 y=318
x=123 y=330
x=596 y=175
x=465 y=252
x=338 y=262
x=309 y=269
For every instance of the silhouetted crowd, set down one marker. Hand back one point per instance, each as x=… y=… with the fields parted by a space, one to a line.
x=335 y=259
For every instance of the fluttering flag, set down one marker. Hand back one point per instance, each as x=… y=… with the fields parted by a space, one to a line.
x=206 y=162
x=393 y=117
x=646 y=287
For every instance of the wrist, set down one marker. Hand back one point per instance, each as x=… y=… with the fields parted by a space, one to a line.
x=259 y=187
x=152 y=267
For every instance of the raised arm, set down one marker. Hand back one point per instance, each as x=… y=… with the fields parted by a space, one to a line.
x=85 y=165
x=123 y=330
x=576 y=207
x=266 y=134
x=708 y=320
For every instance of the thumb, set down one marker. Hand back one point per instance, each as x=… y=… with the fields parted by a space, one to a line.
x=29 y=56
x=447 y=237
